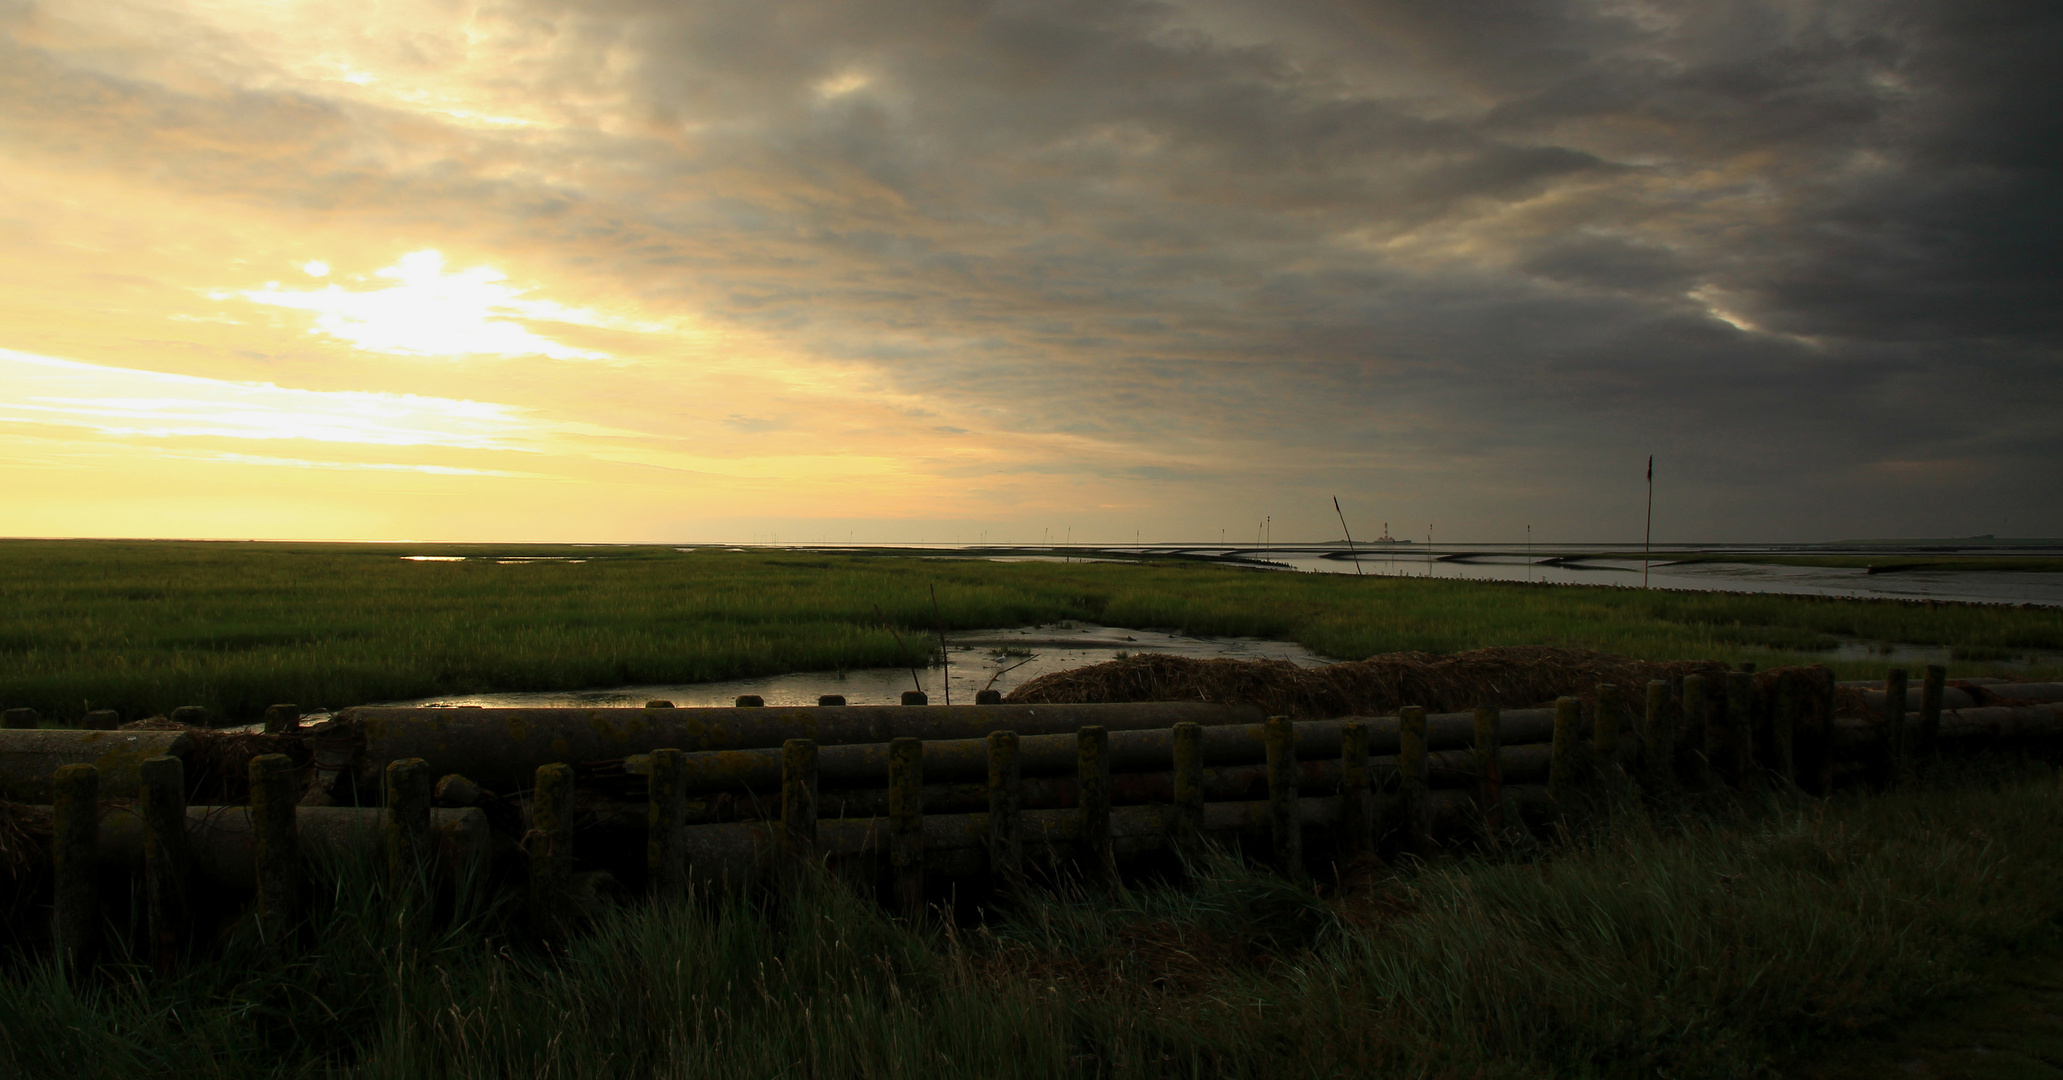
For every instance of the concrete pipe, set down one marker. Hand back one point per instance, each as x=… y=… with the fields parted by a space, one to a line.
x=220 y=840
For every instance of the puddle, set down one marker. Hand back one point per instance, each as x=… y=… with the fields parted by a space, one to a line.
x=981 y=659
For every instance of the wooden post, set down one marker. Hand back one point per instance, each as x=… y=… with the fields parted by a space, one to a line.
x=550 y=843
x=162 y=802
x=75 y=834
x=1931 y=688
x=408 y=826
x=1187 y=750
x=1279 y=739
x=101 y=720
x=191 y=715
x=280 y=719
x=751 y=701
x=20 y=718
x=1783 y=727
x=830 y=699
x=1697 y=731
x=1489 y=772
x=276 y=844
x=1740 y=718
x=1357 y=801
x=906 y=824
x=1561 y=761
x=1604 y=736
x=799 y=799
x=916 y=697
x=1658 y=730
x=1092 y=752
x=1894 y=725
x=1412 y=776
x=666 y=823
x=1006 y=797
x=988 y=697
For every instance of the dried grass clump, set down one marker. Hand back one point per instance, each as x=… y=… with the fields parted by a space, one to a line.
x=25 y=833
x=158 y=723
x=1509 y=677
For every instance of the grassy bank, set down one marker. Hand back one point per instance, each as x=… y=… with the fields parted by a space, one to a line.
x=142 y=627
x=1717 y=943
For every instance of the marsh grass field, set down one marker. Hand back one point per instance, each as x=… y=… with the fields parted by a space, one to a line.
x=142 y=627
x=1743 y=937
x=1710 y=936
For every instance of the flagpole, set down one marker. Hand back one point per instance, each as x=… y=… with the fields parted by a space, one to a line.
x=1647 y=545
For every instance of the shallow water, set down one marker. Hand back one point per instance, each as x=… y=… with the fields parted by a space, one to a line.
x=980 y=660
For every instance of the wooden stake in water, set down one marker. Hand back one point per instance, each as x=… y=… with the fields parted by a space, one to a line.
x=1659 y=733
x=1006 y=798
x=1412 y=777
x=1931 y=688
x=1895 y=740
x=1561 y=760
x=1489 y=744
x=408 y=825
x=1279 y=740
x=277 y=847
x=666 y=824
x=75 y=837
x=162 y=802
x=906 y=824
x=1647 y=544
x=1357 y=799
x=1092 y=755
x=1188 y=783
x=550 y=844
x=799 y=799
x=1697 y=731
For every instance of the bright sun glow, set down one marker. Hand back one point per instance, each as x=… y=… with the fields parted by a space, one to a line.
x=122 y=401
x=429 y=312
x=316 y=268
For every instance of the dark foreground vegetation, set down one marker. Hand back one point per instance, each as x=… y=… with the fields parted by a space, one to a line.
x=1726 y=938
x=144 y=627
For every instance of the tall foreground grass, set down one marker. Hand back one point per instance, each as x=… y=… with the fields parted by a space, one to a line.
x=144 y=627
x=1707 y=944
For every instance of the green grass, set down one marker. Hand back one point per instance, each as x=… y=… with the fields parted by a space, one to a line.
x=1718 y=943
x=143 y=627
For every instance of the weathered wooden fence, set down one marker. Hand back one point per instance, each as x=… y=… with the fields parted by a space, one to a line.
x=908 y=795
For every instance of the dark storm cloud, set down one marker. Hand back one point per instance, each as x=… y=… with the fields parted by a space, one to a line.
x=1810 y=251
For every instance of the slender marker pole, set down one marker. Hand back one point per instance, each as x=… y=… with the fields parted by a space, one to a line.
x=1350 y=535
x=1647 y=547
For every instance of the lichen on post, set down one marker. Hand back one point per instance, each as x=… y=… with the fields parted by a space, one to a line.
x=1561 y=767
x=550 y=843
x=1357 y=800
x=1697 y=731
x=1489 y=743
x=799 y=799
x=1658 y=732
x=1931 y=688
x=1006 y=796
x=408 y=826
x=162 y=803
x=1092 y=758
x=276 y=846
x=1286 y=825
x=666 y=822
x=906 y=823
x=1783 y=727
x=1412 y=777
x=1740 y=729
x=75 y=834
x=1895 y=741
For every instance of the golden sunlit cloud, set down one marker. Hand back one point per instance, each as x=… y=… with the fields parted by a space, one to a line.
x=125 y=401
x=429 y=312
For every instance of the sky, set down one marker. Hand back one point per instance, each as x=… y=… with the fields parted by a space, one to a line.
x=938 y=271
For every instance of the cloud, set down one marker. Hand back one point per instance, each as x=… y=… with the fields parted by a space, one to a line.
x=1469 y=258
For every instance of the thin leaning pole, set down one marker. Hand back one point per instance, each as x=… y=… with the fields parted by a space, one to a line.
x=1647 y=544
x=1351 y=552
